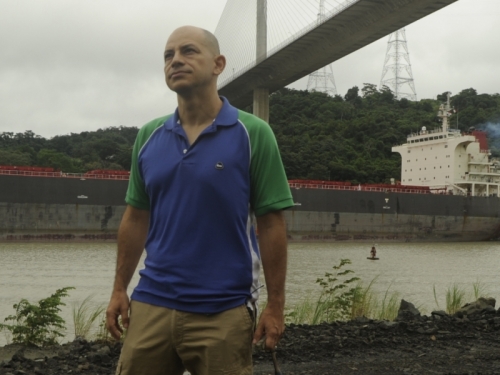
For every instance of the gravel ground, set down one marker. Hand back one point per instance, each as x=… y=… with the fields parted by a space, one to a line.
x=466 y=343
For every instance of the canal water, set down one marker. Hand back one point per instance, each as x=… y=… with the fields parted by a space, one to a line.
x=35 y=270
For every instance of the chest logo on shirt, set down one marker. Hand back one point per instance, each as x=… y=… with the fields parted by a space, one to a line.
x=219 y=165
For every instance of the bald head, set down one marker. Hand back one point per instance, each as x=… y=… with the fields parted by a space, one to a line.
x=206 y=37
x=212 y=42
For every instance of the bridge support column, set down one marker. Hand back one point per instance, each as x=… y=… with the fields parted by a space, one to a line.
x=261 y=95
x=261 y=103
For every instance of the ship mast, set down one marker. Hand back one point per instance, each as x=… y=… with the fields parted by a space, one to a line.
x=445 y=112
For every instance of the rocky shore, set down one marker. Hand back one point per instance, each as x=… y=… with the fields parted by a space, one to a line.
x=466 y=343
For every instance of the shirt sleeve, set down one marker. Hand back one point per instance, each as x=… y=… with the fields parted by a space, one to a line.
x=269 y=185
x=137 y=195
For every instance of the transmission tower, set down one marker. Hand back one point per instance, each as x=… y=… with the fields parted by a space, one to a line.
x=397 y=62
x=322 y=79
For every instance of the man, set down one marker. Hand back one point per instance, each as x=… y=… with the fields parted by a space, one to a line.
x=197 y=179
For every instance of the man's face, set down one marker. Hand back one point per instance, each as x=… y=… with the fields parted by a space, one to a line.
x=189 y=60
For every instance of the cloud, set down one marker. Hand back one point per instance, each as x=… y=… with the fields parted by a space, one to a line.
x=71 y=65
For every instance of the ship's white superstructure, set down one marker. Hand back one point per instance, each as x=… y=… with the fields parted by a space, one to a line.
x=450 y=161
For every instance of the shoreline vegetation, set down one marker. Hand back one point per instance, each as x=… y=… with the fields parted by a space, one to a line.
x=343 y=297
x=348 y=329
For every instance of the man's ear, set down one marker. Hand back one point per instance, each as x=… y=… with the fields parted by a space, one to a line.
x=220 y=64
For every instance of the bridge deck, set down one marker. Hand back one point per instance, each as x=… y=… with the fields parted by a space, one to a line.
x=357 y=26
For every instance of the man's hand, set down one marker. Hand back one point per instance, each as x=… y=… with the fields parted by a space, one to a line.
x=272 y=241
x=270 y=327
x=131 y=239
x=118 y=307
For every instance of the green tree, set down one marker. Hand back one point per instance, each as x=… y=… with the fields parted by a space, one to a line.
x=58 y=160
x=11 y=157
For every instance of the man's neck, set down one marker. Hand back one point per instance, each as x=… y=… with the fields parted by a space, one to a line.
x=198 y=110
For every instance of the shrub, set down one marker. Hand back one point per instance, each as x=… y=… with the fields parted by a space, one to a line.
x=38 y=324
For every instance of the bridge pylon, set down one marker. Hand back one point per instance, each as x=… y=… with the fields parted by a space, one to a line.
x=397 y=63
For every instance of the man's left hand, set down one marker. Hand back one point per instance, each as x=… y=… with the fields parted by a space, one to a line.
x=270 y=327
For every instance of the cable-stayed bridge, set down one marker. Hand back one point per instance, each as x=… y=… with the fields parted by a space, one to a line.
x=272 y=43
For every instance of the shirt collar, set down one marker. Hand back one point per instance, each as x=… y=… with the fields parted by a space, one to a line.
x=227 y=116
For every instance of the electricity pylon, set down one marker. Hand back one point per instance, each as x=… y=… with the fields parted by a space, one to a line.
x=322 y=79
x=397 y=62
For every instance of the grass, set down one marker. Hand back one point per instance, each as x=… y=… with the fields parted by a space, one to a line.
x=456 y=296
x=363 y=302
x=389 y=306
x=102 y=334
x=85 y=315
x=479 y=289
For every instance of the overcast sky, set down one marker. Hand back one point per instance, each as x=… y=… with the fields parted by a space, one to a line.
x=68 y=66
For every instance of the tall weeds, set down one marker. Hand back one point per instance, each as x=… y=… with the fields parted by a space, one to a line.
x=479 y=289
x=85 y=315
x=102 y=333
x=389 y=306
x=341 y=300
x=457 y=296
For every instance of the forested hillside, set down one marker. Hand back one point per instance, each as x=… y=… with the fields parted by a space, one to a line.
x=350 y=138
x=320 y=137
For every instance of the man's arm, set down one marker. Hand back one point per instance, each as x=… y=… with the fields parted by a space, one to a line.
x=273 y=251
x=131 y=240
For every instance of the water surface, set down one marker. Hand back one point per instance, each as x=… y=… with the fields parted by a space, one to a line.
x=35 y=270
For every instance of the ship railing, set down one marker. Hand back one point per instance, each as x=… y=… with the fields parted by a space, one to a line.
x=30 y=173
x=359 y=188
x=81 y=176
x=105 y=176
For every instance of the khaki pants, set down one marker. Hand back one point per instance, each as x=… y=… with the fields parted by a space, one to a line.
x=162 y=341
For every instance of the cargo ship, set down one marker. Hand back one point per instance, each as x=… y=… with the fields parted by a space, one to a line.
x=449 y=191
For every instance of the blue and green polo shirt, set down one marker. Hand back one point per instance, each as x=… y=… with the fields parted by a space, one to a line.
x=201 y=250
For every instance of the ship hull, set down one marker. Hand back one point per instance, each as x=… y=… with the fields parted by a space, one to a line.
x=335 y=215
x=60 y=209
x=74 y=209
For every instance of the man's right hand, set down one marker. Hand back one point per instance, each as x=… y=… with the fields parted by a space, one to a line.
x=118 y=307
